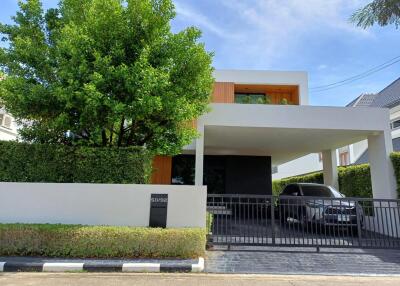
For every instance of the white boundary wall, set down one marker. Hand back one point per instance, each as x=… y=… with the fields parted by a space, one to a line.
x=99 y=204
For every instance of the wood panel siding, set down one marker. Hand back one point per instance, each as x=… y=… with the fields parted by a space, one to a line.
x=275 y=92
x=224 y=92
x=162 y=169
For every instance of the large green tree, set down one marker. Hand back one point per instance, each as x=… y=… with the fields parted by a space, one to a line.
x=382 y=12
x=110 y=72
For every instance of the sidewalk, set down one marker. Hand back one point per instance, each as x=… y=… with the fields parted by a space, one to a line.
x=121 y=279
x=303 y=261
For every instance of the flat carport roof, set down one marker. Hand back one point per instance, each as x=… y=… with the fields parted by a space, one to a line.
x=287 y=132
x=282 y=144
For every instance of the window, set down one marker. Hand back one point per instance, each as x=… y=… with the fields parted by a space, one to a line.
x=344 y=159
x=291 y=190
x=336 y=194
x=251 y=98
x=183 y=170
x=316 y=191
x=1 y=119
x=7 y=121
x=395 y=124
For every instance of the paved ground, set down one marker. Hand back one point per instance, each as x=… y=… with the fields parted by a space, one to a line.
x=71 y=279
x=264 y=260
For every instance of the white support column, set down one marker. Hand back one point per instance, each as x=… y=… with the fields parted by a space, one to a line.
x=329 y=163
x=382 y=175
x=198 y=179
x=352 y=158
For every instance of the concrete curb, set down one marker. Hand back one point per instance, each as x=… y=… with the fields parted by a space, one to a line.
x=99 y=267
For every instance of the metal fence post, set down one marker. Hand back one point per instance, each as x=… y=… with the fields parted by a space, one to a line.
x=272 y=219
x=358 y=217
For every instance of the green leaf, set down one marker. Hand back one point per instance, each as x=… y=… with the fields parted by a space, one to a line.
x=109 y=71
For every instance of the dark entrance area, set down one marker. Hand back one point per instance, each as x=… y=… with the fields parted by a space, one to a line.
x=226 y=174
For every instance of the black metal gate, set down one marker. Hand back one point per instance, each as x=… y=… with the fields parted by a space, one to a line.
x=303 y=221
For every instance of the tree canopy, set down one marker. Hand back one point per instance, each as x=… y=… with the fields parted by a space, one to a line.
x=382 y=12
x=106 y=72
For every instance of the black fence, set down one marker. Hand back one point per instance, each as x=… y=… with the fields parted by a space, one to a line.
x=303 y=221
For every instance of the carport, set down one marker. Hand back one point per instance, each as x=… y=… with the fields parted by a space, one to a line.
x=288 y=132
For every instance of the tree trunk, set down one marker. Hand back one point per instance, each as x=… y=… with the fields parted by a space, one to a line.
x=121 y=132
x=104 y=137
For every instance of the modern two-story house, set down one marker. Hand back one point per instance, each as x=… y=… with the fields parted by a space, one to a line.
x=261 y=119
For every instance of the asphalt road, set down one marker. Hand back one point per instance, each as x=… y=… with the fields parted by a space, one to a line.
x=122 y=279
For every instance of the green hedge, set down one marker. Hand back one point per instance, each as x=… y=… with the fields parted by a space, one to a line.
x=278 y=185
x=395 y=156
x=23 y=162
x=354 y=181
x=54 y=240
x=209 y=221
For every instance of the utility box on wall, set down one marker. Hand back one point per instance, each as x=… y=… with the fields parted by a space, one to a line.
x=158 y=210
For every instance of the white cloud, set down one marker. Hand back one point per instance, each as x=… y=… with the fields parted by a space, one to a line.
x=275 y=26
x=322 y=67
x=195 y=17
x=290 y=16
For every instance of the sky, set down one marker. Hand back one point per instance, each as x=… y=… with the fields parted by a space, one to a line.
x=300 y=35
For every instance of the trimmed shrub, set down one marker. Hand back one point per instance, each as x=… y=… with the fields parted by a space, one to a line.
x=395 y=156
x=23 y=162
x=209 y=221
x=56 y=240
x=355 y=181
x=278 y=185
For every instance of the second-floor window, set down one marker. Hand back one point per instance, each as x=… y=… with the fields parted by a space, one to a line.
x=251 y=98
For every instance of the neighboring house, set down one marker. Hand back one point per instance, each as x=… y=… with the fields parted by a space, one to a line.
x=356 y=153
x=261 y=119
x=8 y=127
x=389 y=97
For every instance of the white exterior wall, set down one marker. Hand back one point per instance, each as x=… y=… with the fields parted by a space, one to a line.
x=299 y=117
x=99 y=204
x=358 y=149
x=306 y=164
x=7 y=135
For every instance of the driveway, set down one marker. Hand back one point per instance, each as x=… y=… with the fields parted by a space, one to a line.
x=275 y=260
x=87 y=279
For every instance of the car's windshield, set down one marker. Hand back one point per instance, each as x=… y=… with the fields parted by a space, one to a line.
x=336 y=194
x=317 y=191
